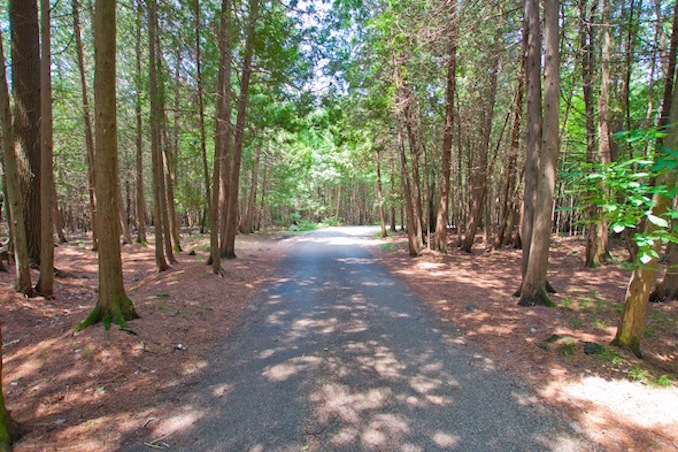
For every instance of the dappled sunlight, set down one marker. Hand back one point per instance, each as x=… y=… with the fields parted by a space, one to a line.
x=291 y=368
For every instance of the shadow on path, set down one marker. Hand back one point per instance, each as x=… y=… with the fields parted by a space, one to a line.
x=339 y=355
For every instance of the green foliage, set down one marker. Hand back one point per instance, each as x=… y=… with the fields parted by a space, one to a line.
x=623 y=190
x=638 y=375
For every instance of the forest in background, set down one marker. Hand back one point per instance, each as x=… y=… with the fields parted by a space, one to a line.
x=237 y=116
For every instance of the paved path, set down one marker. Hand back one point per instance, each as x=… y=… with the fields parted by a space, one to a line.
x=340 y=355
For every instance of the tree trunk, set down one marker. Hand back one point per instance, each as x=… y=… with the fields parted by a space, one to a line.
x=440 y=240
x=234 y=184
x=632 y=321
x=141 y=201
x=416 y=183
x=392 y=195
x=201 y=114
x=604 y=146
x=512 y=159
x=380 y=198
x=595 y=236
x=534 y=287
x=14 y=199
x=122 y=217
x=667 y=290
x=224 y=124
x=45 y=285
x=248 y=227
x=113 y=305
x=156 y=118
x=479 y=176
x=89 y=139
x=534 y=125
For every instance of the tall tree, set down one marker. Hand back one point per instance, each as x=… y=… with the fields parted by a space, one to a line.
x=632 y=322
x=89 y=136
x=45 y=284
x=234 y=183
x=440 y=240
x=159 y=209
x=534 y=290
x=113 y=305
x=201 y=115
x=24 y=25
x=15 y=200
x=141 y=199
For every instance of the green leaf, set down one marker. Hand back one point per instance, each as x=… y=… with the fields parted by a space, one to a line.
x=618 y=228
x=662 y=223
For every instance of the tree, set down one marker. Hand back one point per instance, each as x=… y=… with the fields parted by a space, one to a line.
x=141 y=200
x=45 y=284
x=89 y=138
x=534 y=290
x=159 y=206
x=440 y=241
x=113 y=305
x=228 y=250
x=14 y=198
x=632 y=322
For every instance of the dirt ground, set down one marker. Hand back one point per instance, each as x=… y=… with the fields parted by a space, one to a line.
x=99 y=390
x=621 y=402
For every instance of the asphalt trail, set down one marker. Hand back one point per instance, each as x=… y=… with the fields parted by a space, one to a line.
x=338 y=354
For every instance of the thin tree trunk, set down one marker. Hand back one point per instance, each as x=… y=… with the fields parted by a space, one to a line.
x=234 y=185
x=392 y=203
x=479 y=178
x=113 y=305
x=604 y=147
x=156 y=118
x=141 y=202
x=45 y=285
x=248 y=226
x=14 y=199
x=89 y=138
x=440 y=240
x=201 y=114
x=513 y=157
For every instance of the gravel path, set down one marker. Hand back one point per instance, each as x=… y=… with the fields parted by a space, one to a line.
x=339 y=355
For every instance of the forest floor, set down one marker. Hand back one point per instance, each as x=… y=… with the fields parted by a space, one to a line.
x=621 y=402
x=99 y=390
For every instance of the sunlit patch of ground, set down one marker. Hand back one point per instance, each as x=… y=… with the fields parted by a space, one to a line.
x=622 y=402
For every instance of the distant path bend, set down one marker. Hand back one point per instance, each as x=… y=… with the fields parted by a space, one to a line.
x=339 y=355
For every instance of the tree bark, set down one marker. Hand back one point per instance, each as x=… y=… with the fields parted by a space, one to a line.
x=15 y=200
x=89 y=139
x=534 y=124
x=234 y=184
x=45 y=285
x=513 y=157
x=440 y=240
x=113 y=305
x=201 y=114
x=141 y=200
x=24 y=26
x=479 y=176
x=156 y=118
x=534 y=287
